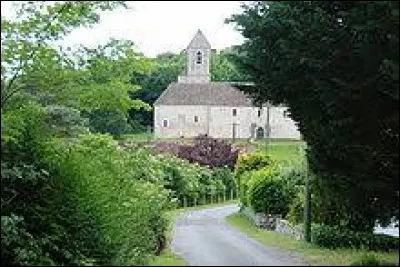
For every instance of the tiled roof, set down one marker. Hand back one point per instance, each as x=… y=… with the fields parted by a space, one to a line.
x=212 y=93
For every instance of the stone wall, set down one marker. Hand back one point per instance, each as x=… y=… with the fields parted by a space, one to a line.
x=285 y=227
x=218 y=121
x=273 y=222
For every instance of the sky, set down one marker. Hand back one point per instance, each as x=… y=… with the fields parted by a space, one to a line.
x=159 y=26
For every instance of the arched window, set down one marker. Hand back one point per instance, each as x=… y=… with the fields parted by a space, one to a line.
x=199 y=57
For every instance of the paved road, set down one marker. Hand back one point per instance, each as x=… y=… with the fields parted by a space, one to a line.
x=203 y=239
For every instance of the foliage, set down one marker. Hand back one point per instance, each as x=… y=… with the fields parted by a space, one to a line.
x=251 y=162
x=266 y=192
x=311 y=254
x=223 y=69
x=227 y=177
x=336 y=237
x=247 y=163
x=210 y=152
x=105 y=121
x=65 y=121
x=25 y=42
x=107 y=209
x=336 y=65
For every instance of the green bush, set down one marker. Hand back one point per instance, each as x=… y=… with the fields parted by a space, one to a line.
x=335 y=237
x=107 y=210
x=266 y=192
x=247 y=163
x=252 y=162
x=227 y=177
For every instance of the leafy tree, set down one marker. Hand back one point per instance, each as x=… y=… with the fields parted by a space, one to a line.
x=165 y=69
x=223 y=68
x=335 y=64
x=26 y=41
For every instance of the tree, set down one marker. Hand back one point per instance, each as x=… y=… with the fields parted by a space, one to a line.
x=164 y=69
x=223 y=68
x=26 y=41
x=335 y=64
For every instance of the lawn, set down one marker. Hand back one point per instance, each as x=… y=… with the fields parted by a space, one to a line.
x=287 y=153
x=311 y=254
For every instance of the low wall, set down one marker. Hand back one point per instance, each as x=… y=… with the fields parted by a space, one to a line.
x=273 y=223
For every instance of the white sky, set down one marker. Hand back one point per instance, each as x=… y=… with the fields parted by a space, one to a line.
x=156 y=27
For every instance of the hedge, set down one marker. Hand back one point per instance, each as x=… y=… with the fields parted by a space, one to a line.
x=335 y=237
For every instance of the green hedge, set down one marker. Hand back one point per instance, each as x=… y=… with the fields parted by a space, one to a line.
x=266 y=192
x=335 y=237
x=108 y=210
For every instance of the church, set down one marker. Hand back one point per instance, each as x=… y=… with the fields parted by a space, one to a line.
x=195 y=105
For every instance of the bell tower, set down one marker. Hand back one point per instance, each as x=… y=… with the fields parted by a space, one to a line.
x=198 y=60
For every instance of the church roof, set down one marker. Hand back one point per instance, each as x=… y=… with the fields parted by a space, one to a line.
x=213 y=93
x=199 y=41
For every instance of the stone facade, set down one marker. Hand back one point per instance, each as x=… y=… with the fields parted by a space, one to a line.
x=220 y=122
x=196 y=106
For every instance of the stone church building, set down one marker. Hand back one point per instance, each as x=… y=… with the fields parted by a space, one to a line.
x=195 y=105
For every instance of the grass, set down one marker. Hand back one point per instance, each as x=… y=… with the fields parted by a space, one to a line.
x=167 y=257
x=311 y=254
x=287 y=153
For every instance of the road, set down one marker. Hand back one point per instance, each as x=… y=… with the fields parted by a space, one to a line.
x=202 y=238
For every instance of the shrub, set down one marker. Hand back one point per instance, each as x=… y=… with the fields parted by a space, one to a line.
x=245 y=165
x=225 y=175
x=105 y=206
x=266 y=192
x=251 y=162
x=335 y=237
x=210 y=152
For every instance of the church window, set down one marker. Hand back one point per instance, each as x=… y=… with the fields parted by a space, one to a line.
x=259 y=113
x=285 y=114
x=165 y=123
x=199 y=57
x=234 y=112
x=196 y=119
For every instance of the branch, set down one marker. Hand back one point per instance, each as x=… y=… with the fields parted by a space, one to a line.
x=24 y=64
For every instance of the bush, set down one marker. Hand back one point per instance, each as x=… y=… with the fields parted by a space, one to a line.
x=252 y=162
x=225 y=175
x=210 y=152
x=245 y=165
x=266 y=192
x=335 y=237
x=106 y=207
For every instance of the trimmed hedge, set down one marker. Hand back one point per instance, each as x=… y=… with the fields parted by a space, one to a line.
x=335 y=237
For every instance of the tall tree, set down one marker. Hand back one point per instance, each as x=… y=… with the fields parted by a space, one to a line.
x=336 y=65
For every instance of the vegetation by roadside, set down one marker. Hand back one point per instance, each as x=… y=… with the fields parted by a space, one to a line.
x=311 y=253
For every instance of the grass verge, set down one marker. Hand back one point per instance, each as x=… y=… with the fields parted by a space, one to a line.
x=311 y=254
x=167 y=257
